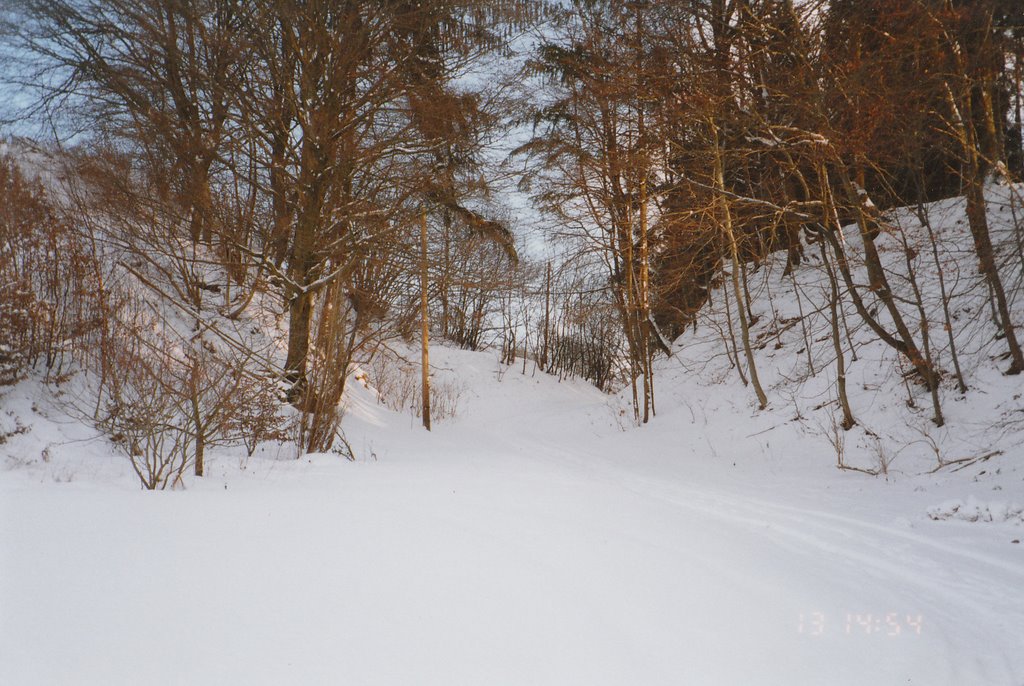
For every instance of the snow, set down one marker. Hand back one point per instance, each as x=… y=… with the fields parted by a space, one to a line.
x=530 y=541
x=975 y=511
x=539 y=537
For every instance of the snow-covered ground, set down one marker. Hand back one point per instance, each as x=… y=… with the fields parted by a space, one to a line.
x=539 y=537
x=530 y=541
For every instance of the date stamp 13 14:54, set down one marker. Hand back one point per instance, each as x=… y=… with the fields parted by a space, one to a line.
x=890 y=624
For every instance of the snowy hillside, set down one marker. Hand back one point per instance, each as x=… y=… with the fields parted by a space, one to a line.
x=895 y=432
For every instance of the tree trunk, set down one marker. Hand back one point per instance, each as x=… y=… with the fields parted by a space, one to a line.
x=545 y=350
x=730 y=236
x=424 y=322
x=837 y=342
x=300 y=300
x=300 y=313
x=197 y=414
x=644 y=323
x=977 y=218
x=880 y=283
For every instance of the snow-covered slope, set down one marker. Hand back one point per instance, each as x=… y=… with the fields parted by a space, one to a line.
x=540 y=538
x=795 y=357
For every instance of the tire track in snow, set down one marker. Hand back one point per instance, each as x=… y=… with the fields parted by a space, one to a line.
x=974 y=585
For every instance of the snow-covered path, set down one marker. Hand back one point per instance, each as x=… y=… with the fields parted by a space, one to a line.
x=530 y=543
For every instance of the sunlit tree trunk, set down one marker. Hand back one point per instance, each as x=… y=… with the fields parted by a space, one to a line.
x=424 y=322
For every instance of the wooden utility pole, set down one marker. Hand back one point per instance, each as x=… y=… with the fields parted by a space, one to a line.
x=547 y=320
x=425 y=320
x=644 y=325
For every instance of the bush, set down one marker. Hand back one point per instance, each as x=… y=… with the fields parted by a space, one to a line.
x=46 y=280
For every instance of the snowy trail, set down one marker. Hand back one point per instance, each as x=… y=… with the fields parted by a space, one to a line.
x=532 y=542
x=529 y=575
x=551 y=581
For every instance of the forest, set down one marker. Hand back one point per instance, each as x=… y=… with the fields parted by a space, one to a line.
x=224 y=205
